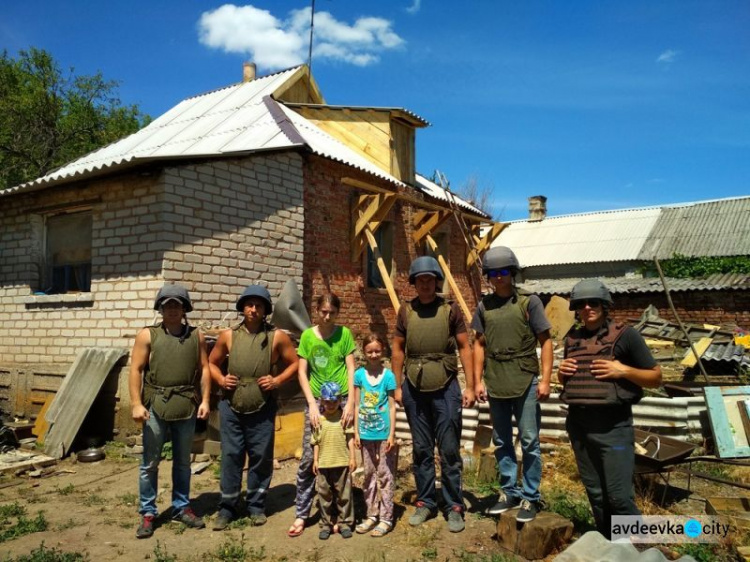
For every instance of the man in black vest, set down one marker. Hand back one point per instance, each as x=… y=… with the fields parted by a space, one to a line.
x=248 y=408
x=429 y=330
x=164 y=364
x=606 y=366
x=509 y=325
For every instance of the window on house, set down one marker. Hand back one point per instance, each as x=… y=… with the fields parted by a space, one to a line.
x=67 y=253
x=443 y=246
x=384 y=238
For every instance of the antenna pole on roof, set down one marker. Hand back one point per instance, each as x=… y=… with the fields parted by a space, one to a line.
x=312 y=25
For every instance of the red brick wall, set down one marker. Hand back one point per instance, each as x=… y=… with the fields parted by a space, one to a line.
x=327 y=256
x=694 y=307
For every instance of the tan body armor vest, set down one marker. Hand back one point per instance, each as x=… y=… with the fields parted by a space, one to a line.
x=511 y=361
x=583 y=388
x=431 y=360
x=249 y=359
x=169 y=382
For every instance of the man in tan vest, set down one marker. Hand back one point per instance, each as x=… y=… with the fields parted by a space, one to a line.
x=164 y=367
x=508 y=327
x=429 y=330
x=248 y=408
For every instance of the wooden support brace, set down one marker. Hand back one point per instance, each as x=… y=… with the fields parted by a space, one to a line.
x=425 y=223
x=383 y=269
x=371 y=211
x=449 y=278
x=484 y=244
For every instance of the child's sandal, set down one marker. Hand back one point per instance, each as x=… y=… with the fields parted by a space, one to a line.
x=367 y=525
x=383 y=528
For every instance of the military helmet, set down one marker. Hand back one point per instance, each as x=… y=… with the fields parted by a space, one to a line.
x=173 y=292
x=590 y=289
x=330 y=391
x=255 y=291
x=499 y=257
x=425 y=265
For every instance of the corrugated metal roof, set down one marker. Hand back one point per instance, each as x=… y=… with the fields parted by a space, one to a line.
x=725 y=352
x=238 y=119
x=711 y=228
x=584 y=238
x=434 y=190
x=720 y=281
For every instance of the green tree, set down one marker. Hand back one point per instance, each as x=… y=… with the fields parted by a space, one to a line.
x=48 y=118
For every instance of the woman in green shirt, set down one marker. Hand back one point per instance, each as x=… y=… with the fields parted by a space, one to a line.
x=326 y=353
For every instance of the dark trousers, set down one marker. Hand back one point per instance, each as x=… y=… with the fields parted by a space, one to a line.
x=250 y=435
x=435 y=417
x=334 y=487
x=603 y=442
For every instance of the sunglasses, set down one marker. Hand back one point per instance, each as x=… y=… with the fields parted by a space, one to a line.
x=493 y=273
x=591 y=303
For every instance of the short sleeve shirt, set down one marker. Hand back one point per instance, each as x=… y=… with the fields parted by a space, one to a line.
x=537 y=318
x=326 y=358
x=332 y=440
x=456 y=323
x=374 y=420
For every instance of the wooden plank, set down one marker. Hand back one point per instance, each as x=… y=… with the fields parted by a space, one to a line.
x=41 y=426
x=744 y=407
x=700 y=348
x=428 y=224
x=288 y=439
x=484 y=243
x=371 y=219
x=729 y=437
x=449 y=278
x=383 y=270
x=22 y=460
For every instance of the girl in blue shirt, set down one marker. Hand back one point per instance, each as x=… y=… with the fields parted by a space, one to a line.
x=375 y=428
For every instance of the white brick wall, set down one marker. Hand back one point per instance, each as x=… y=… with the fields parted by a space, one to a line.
x=214 y=227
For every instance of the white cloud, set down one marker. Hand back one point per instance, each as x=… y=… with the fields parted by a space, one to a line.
x=414 y=8
x=668 y=56
x=274 y=44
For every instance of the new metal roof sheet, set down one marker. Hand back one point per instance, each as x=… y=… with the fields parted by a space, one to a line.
x=719 y=281
x=711 y=228
x=584 y=238
x=434 y=190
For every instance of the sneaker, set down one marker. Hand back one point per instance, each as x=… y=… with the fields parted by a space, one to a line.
x=146 y=528
x=504 y=503
x=258 y=519
x=188 y=518
x=222 y=521
x=421 y=514
x=325 y=532
x=455 y=520
x=527 y=512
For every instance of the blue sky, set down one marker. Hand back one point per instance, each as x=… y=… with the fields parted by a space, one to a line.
x=597 y=105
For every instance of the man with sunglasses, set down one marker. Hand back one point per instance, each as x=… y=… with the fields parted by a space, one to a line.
x=508 y=327
x=605 y=369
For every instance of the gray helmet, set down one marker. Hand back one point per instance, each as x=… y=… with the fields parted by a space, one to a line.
x=499 y=257
x=255 y=291
x=422 y=265
x=178 y=292
x=590 y=289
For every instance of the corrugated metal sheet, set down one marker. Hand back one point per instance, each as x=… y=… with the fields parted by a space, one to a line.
x=435 y=191
x=586 y=238
x=711 y=228
x=620 y=285
x=76 y=395
x=729 y=353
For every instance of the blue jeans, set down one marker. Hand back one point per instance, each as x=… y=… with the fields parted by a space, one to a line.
x=528 y=416
x=154 y=436
x=435 y=417
x=252 y=436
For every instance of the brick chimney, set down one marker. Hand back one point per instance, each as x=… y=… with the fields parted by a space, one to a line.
x=248 y=71
x=537 y=208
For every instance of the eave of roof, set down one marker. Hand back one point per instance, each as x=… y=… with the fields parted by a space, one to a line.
x=402 y=113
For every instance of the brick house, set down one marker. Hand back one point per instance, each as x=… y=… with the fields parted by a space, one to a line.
x=259 y=182
x=619 y=247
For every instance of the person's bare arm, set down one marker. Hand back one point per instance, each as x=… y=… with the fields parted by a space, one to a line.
x=216 y=360
x=283 y=348
x=204 y=408
x=609 y=370
x=348 y=414
x=464 y=353
x=138 y=361
x=398 y=347
x=543 y=388
x=479 y=351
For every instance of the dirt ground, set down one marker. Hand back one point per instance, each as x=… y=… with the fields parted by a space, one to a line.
x=92 y=508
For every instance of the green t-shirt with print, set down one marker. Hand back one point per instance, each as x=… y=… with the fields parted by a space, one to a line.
x=326 y=359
